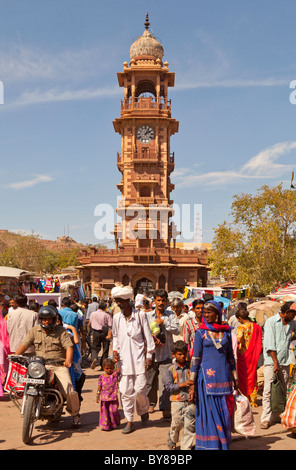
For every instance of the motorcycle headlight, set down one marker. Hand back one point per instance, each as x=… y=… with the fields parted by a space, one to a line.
x=36 y=370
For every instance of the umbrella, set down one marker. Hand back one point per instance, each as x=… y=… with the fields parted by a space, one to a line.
x=226 y=302
x=287 y=298
x=189 y=302
x=263 y=309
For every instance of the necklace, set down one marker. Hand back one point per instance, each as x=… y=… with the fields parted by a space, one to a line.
x=217 y=344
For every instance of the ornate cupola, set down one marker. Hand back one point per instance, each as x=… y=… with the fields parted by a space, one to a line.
x=146 y=46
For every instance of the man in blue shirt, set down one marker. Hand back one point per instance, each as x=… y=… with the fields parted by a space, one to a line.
x=169 y=325
x=69 y=317
x=279 y=331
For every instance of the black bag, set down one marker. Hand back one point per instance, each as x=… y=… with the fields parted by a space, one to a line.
x=105 y=330
x=278 y=395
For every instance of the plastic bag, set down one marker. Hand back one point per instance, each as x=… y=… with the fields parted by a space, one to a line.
x=278 y=395
x=15 y=377
x=243 y=419
x=288 y=418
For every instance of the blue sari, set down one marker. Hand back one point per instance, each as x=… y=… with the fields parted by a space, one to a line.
x=212 y=367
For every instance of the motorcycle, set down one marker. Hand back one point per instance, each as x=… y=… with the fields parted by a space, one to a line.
x=41 y=398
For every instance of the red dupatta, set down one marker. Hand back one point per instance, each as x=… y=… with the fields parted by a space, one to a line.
x=247 y=362
x=214 y=326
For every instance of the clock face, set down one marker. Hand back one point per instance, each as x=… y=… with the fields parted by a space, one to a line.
x=145 y=134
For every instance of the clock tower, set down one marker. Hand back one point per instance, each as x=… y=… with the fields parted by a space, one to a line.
x=145 y=253
x=146 y=161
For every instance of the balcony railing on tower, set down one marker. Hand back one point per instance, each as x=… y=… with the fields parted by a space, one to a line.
x=145 y=154
x=145 y=104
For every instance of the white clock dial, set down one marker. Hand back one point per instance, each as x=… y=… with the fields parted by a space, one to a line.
x=145 y=134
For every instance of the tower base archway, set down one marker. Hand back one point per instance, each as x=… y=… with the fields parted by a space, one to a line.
x=144 y=285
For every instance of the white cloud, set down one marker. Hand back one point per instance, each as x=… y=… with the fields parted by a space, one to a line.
x=29 y=183
x=54 y=95
x=27 y=63
x=230 y=83
x=32 y=75
x=261 y=166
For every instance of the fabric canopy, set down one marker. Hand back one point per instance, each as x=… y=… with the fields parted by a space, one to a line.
x=289 y=290
x=5 y=271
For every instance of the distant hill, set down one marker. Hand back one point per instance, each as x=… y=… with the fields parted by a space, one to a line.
x=32 y=253
x=10 y=239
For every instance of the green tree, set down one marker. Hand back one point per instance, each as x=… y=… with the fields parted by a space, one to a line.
x=67 y=258
x=258 y=245
x=23 y=252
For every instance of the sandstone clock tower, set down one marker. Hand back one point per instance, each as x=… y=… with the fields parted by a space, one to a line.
x=145 y=253
x=146 y=161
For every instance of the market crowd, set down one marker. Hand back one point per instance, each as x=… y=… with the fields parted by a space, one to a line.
x=196 y=360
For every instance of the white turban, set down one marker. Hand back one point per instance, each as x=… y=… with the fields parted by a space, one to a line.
x=124 y=292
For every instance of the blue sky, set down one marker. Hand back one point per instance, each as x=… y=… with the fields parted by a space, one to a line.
x=233 y=62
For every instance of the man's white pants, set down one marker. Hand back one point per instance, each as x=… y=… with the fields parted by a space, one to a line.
x=267 y=414
x=133 y=391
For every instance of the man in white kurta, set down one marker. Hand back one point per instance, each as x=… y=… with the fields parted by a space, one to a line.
x=133 y=346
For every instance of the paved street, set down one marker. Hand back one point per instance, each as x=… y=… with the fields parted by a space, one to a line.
x=153 y=437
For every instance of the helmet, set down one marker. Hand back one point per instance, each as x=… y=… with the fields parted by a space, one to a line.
x=45 y=312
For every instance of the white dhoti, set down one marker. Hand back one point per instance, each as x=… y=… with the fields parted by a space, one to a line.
x=133 y=391
x=132 y=339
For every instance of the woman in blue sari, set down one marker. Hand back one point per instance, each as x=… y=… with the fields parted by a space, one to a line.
x=213 y=373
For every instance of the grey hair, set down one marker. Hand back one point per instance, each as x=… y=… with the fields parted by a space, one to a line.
x=177 y=302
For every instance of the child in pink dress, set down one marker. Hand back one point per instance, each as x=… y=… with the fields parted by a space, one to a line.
x=107 y=394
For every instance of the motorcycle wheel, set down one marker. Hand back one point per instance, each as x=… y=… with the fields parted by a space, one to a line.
x=29 y=418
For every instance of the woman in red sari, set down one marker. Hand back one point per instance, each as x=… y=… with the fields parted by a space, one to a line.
x=249 y=347
x=4 y=352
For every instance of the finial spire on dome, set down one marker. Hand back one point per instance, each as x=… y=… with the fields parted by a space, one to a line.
x=147 y=22
x=146 y=45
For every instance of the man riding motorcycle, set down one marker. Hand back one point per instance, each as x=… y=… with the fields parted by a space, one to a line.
x=53 y=343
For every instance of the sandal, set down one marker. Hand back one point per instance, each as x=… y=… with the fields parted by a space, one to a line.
x=128 y=429
x=171 y=445
x=76 y=421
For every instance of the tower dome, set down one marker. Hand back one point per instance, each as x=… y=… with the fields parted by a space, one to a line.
x=146 y=45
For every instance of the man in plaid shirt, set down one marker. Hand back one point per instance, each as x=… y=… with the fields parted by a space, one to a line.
x=192 y=325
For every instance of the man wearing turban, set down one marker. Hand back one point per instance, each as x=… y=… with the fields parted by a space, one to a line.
x=133 y=346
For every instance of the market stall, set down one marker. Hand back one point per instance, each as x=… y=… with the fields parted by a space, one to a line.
x=216 y=291
x=14 y=280
x=41 y=298
x=71 y=288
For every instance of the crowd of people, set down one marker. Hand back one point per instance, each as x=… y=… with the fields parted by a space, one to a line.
x=191 y=361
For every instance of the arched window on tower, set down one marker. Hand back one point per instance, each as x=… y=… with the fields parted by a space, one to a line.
x=145 y=191
x=145 y=88
x=161 y=282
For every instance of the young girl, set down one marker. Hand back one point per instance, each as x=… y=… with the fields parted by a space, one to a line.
x=107 y=393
